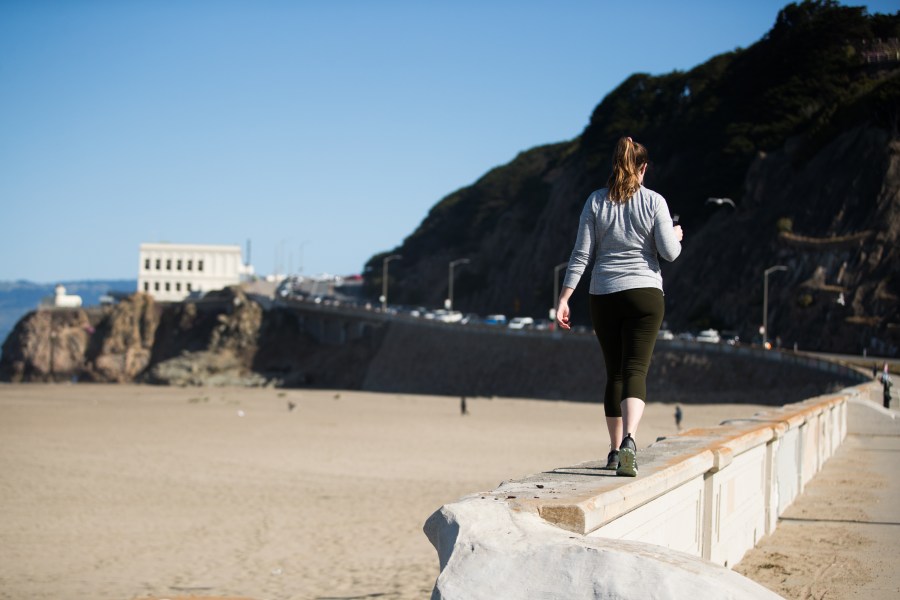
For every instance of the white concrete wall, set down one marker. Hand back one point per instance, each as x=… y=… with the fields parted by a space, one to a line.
x=759 y=468
x=707 y=495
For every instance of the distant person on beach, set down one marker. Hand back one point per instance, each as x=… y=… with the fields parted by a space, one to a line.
x=886 y=385
x=463 y=409
x=678 y=416
x=623 y=228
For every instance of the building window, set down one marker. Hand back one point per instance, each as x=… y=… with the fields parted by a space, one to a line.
x=167 y=286
x=146 y=286
x=168 y=264
x=188 y=285
x=158 y=264
x=190 y=265
x=199 y=265
x=177 y=286
x=178 y=265
x=155 y=286
x=146 y=264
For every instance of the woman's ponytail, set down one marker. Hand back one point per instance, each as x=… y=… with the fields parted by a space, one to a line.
x=628 y=158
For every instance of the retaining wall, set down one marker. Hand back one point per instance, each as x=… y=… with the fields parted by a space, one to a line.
x=701 y=500
x=401 y=354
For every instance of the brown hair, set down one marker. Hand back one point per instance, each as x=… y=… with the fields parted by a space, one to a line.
x=628 y=158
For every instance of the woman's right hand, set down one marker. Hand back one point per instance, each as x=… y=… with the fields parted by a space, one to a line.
x=679 y=234
x=562 y=314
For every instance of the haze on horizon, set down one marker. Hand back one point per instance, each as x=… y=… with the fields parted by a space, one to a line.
x=323 y=132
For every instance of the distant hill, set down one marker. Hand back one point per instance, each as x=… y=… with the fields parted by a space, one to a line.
x=17 y=298
x=801 y=130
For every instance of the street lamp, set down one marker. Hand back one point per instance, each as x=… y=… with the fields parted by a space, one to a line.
x=556 y=271
x=302 y=245
x=384 y=279
x=765 y=326
x=453 y=263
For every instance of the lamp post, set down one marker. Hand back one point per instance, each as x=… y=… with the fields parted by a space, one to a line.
x=765 y=326
x=302 y=245
x=453 y=263
x=384 y=279
x=556 y=271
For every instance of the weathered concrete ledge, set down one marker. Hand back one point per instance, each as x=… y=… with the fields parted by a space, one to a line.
x=702 y=499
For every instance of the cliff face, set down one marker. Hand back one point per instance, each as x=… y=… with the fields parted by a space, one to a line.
x=214 y=341
x=105 y=345
x=799 y=130
x=833 y=221
x=47 y=346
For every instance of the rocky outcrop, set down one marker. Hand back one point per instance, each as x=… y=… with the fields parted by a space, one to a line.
x=209 y=342
x=47 y=345
x=205 y=368
x=488 y=551
x=121 y=344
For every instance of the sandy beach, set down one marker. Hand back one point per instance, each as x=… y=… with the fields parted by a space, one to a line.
x=125 y=491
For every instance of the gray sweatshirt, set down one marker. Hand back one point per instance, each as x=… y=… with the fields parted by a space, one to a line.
x=625 y=240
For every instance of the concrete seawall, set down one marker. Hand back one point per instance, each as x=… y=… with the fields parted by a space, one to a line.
x=701 y=500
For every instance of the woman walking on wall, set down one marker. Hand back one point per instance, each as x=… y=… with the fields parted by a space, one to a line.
x=624 y=227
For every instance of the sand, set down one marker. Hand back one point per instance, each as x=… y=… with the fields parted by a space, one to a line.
x=124 y=491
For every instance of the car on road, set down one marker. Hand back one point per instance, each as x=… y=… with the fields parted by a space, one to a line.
x=665 y=334
x=495 y=320
x=448 y=316
x=521 y=323
x=710 y=336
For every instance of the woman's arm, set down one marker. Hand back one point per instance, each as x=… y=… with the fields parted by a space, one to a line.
x=583 y=251
x=668 y=237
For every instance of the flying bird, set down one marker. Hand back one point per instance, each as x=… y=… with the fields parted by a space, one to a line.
x=721 y=201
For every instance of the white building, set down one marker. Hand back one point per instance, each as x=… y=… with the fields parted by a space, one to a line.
x=61 y=299
x=170 y=272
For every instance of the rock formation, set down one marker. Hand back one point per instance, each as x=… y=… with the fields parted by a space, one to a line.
x=47 y=345
x=488 y=551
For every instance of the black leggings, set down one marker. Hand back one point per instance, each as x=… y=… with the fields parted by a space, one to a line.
x=626 y=323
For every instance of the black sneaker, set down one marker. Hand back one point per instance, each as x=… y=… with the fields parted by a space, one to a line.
x=627 y=458
x=612 y=460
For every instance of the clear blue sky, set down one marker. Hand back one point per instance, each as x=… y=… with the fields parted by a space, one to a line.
x=320 y=130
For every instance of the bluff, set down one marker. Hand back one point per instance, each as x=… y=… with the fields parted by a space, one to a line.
x=800 y=130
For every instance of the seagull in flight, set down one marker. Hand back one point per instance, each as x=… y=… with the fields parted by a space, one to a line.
x=721 y=201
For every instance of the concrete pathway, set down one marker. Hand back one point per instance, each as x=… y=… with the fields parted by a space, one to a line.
x=841 y=538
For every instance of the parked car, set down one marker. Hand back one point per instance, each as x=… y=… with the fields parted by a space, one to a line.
x=710 y=336
x=495 y=320
x=543 y=324
x=521 y=323
x=448 y=316
x=665 y=334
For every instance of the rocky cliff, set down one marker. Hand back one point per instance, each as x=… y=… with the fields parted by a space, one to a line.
x=800 y=130
x=212 y=341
